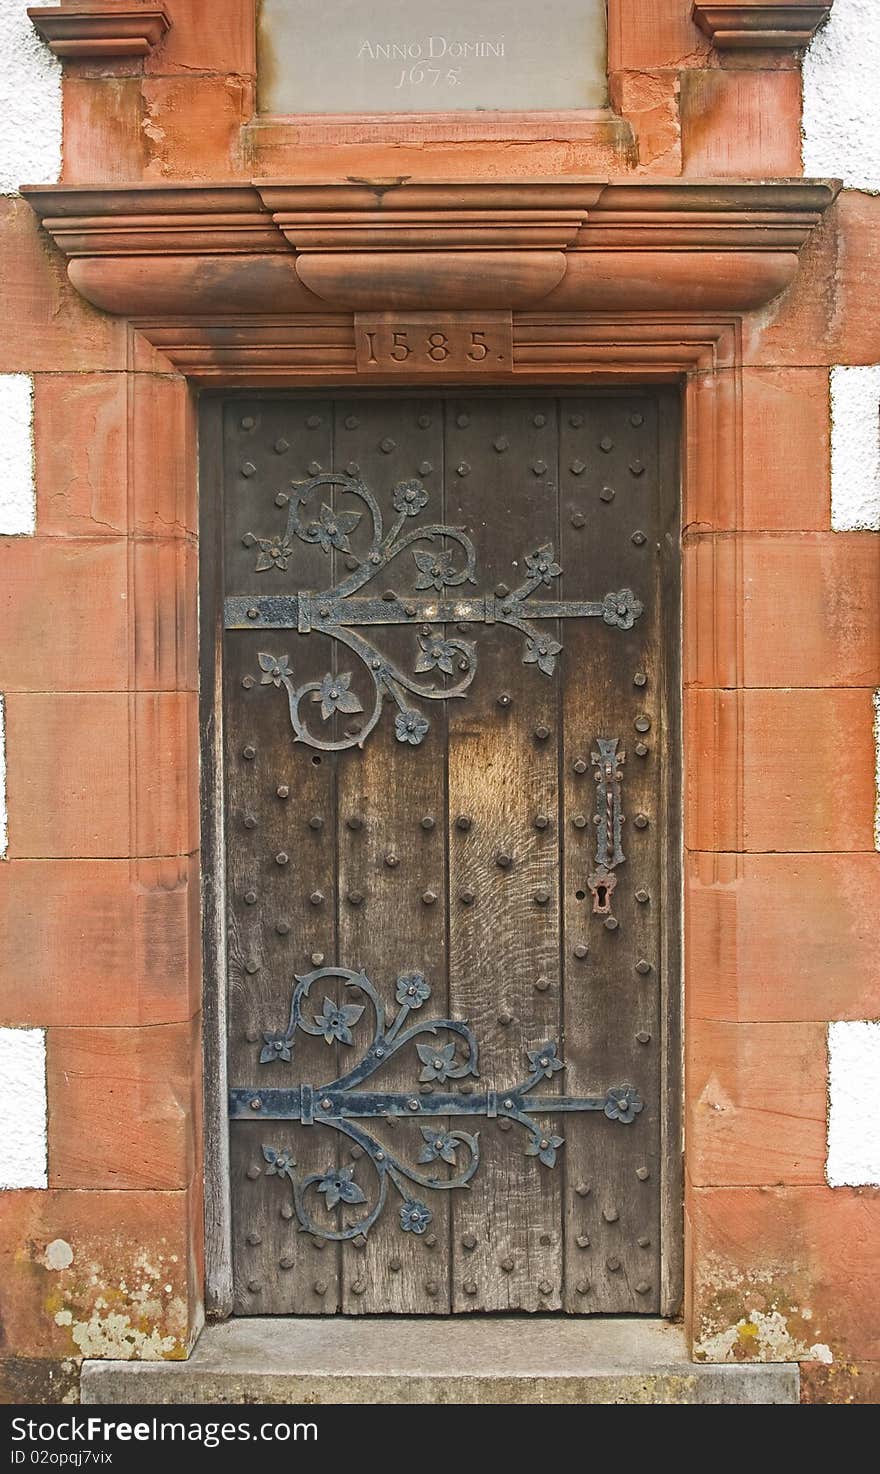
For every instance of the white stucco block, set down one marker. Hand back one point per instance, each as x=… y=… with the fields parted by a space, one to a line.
x=841 y=118
x=4 y=822
x=854 y=1104
x=18 y=497
x=855 y=446
x=30 y=102
x=23 y=1108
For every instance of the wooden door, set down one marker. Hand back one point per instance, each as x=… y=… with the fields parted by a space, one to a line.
x=451 y=826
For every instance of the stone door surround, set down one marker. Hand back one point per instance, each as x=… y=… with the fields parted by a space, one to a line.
x=594 y=282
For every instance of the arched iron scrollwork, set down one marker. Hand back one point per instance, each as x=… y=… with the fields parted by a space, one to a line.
x=444 y=565
x=341 y=1105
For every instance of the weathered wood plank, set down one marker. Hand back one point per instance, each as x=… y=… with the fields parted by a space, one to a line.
x=392 y=869
x=280 y=816
x=609 y=478
x=504 y=917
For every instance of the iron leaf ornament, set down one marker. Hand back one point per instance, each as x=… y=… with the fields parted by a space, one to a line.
x=447 y=1052
x=442 y=570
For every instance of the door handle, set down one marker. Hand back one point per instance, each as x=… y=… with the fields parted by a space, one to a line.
x=609 y=819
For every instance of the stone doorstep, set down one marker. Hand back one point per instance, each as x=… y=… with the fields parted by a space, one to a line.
x=497 y=1360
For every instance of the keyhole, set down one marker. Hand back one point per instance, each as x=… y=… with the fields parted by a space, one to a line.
x=602 y=888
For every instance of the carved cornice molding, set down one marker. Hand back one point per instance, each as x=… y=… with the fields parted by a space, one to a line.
x=438 y=245
x=168 y=251
x=736 y=26
x=99 y=28
x=262 y=283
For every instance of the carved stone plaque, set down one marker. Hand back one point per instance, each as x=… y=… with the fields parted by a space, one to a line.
x=424 y=342
x=379 y=56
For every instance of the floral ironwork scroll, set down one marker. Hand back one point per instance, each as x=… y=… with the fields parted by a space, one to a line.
x=447 y=1051
x=444 y=567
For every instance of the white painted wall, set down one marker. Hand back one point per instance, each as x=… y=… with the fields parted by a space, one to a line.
x=30 y=101
x=855 y=444
x=23 y=1108
x=841 y=119
x=18 y=497
x=854 y=1104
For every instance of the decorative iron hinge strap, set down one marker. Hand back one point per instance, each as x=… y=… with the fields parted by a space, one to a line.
x=444 y=562
x=447 y=1050
x=333 y=1105
x=304 y=613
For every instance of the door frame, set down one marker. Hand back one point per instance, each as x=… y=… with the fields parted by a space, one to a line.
x=218 y=1189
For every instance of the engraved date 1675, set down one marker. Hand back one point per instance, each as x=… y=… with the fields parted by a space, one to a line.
x=428 y=77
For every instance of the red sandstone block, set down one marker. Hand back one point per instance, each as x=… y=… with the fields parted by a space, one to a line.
x=105 y=1274
x=64 y=615
x=779 y=770
x=786 y=449
x=769 y=467
x=192 y=125
x=145 y=359
x=828 y=315
x=711 y=492
x=99 y=942
x=206 y=36
x=166 y=630
x=68 y=764
x=780 y=937
x=712 y=608
x=770 y=609
x=123 y=1106
x=649 y=102
x=742 y=123
x=294 y=152
x=105 y=140
x=757 y=1103
x=165 y=774
x=46 y=324
x=856 y=324
x=163 y=456
x=79 y=447
x=812 y=610
x=102 y=776
x=660 y=34
x=104 y=439
x=779 y=1272
x=843 y=1382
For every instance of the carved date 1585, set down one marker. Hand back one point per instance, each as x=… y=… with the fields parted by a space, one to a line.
x=433 y=343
